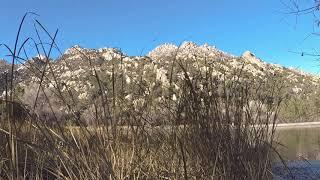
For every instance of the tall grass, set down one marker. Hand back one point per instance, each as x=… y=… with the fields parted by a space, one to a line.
x=223 y=130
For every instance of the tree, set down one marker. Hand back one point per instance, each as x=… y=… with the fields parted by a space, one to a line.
x=297 y=8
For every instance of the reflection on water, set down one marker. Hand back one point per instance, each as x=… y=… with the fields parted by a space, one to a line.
x=301 y=147
x=299 y=143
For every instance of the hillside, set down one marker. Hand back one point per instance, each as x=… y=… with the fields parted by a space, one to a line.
x=73 y=82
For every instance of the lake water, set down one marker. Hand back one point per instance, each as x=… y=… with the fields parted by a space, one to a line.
x=301 y=149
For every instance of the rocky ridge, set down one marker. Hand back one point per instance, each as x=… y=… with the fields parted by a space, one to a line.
x=80 y=73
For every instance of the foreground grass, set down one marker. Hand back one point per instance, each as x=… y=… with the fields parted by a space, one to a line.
x=205 y=137
x=192 y=153
x=221 y=137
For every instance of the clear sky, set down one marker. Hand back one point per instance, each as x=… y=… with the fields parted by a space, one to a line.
x=137 y=26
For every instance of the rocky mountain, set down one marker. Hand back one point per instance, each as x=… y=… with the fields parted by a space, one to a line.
x=75 y=81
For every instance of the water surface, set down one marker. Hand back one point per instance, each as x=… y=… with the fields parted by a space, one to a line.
x=299 y=143
x=300 y=147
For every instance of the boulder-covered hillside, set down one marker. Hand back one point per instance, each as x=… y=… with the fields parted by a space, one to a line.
x=78 y=77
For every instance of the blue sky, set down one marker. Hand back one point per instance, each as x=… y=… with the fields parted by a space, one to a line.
x=137 y=26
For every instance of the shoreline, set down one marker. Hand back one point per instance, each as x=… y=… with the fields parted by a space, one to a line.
x=298 y=125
